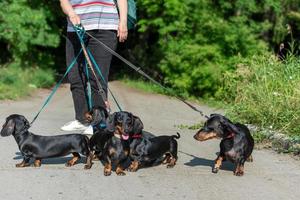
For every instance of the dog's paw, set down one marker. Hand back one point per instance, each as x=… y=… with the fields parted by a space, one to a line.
x=250 y=159
x=107 y=173
x=121 y=174
x=36 y=165
x=20 y=165
x=170 y=166
x=68 y=164
x=239 y=173
x=131 y=169
x=215 y=170
x=88 y=166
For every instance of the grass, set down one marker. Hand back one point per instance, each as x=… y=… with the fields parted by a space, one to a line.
x=16 y=82
x=266 y=93
x=153 y=88
x=262 y=91
x=143 y=85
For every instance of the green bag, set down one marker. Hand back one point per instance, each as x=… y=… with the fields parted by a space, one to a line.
x=131 y=14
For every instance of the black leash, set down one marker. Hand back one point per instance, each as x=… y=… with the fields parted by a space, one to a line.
x=140 y=71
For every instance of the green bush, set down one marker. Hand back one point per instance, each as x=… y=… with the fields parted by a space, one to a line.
x=266 y=92
x=27 y=28
x=194 y=42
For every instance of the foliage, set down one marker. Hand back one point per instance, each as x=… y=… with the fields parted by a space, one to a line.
x=266 y=93
x=192 y=43
x=26 y=29
x=16 y=82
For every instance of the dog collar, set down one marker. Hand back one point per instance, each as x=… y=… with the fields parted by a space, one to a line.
x=137 y=135
x=231 y=135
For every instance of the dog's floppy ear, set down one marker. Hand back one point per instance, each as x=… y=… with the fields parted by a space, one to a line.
x=8 y=128
x=138 y=125
x=229 y=125
x=21 y=124
x=110 y=122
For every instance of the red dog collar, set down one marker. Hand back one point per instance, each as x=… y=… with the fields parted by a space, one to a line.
x=137 y=135
x=231 y=135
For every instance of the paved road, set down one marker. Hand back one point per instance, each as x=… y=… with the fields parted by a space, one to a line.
x=270 y=176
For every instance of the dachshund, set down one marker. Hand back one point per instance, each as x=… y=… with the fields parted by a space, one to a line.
x=236 y=141
x=144 y=150
x=108 y=142
x=115 y=152
x=40 y=147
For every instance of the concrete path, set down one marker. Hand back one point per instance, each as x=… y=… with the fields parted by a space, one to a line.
x=270 y=176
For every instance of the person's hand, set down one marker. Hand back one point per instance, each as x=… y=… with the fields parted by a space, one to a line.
x=75 y=19
x=122 y=31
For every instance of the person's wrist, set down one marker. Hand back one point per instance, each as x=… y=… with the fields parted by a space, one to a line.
x=72 y=14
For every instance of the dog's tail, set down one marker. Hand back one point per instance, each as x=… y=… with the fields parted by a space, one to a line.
x=176 y=136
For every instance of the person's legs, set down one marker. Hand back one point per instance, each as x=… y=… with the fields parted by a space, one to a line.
x=76 y=77
x=103 y=59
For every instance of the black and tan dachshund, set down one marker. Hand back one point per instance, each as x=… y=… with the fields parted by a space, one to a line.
x=115 y=152
x=143 y=150
x=236 y=141
x=39 y=147
x=109 y=143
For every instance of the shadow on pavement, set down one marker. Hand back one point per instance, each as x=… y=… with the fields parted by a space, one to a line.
x=196 y=161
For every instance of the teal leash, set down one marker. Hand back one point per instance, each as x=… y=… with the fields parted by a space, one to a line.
x=80 y=33
x=57 y=86
x=102 y=77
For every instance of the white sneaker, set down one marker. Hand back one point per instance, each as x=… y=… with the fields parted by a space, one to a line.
x=89 y=130
x=74 y=126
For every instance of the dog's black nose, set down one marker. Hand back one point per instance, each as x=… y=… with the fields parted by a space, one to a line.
x=195 y=137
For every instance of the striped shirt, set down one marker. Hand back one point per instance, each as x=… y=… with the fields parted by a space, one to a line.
x=93 y=14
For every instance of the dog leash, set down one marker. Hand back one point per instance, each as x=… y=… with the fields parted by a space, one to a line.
x=56 y=86
x=91 y=61
x=140 y=71
x=87 y=53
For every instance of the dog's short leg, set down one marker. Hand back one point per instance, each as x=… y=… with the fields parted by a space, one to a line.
x=172 y=163
x=167 y=159
x=218 y=164
x=73 y=161
x=250 y=158
x=120 y=171
x=37 y=162
x=134 y=166
x=239 y=171
x=107 y=166
x=24 y=163
x=89 y=162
